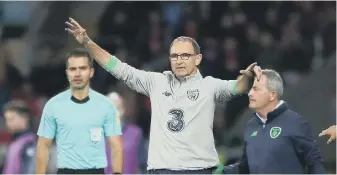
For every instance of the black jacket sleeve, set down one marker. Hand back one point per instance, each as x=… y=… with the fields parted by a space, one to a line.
x=306 y=147
x=241 y=167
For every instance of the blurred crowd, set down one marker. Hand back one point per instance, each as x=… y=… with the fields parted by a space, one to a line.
x=294 y=38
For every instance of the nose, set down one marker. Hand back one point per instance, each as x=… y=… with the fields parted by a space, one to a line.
x=77 y=72
x=179 y=60
x=250 y=93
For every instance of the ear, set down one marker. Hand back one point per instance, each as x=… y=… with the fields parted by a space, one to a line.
x=92 y=71
x=67 y=74
x=198 y=59
x=273 y=96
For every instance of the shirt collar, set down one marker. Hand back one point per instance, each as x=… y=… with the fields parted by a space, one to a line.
x=86 y=99
x=278 y=105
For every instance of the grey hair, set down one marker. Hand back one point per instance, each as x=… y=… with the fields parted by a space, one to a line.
x=274 y=81
x=195 y=45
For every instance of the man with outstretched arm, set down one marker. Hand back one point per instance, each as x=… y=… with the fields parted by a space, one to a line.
x=182 y=104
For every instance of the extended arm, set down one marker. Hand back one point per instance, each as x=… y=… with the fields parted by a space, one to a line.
x=225 y=89
x=138 y=80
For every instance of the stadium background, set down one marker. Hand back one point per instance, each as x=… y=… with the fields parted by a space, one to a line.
x=298 y=39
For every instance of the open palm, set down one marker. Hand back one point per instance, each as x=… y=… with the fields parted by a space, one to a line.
x=77 y=31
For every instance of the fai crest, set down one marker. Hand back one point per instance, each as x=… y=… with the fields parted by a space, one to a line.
x=275 y=132
x=193 y=94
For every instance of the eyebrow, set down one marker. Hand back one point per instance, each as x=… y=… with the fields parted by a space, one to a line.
x=181 y=53
x=78 y=67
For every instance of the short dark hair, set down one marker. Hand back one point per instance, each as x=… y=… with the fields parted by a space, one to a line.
x=194 y=43
x=80 y=52
x=19 y=107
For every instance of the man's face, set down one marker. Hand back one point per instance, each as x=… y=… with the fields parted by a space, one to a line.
x=183 y=59
x=259 y=95
x=14 y=122
x=79 y=72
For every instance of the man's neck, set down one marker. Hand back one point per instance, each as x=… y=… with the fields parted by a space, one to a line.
x=80 y=94
x=264 y=111
x=193 y=73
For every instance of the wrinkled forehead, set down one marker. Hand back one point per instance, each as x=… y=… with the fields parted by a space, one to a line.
x=179 y=47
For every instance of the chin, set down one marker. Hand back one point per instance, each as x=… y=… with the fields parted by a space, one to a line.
x=78 y=87
x=251 y=106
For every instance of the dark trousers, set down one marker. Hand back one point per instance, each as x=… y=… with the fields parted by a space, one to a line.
x=167 y=171
x=80 y=171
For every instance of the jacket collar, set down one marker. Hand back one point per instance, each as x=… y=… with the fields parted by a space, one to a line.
x=191 y=78
x=274 y=114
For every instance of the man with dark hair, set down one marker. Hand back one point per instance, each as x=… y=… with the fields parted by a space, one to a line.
x=21 y=150
x=182 y=104
x=79 y=118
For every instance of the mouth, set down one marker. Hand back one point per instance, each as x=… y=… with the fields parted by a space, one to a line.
x=77 y=81
x=180 y=68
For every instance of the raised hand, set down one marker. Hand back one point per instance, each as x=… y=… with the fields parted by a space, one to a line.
x=77 y=31
x=253 y=67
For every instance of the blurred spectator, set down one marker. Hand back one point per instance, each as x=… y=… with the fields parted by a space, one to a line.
x=21 y=150
x=270 y=56
x=133 y=141
x=150 y=39
x=4 y=87
x=210 y=55
x=172 y=12
x=229 y=59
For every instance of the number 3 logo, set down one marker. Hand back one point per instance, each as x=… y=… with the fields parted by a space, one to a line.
x=176 y=124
